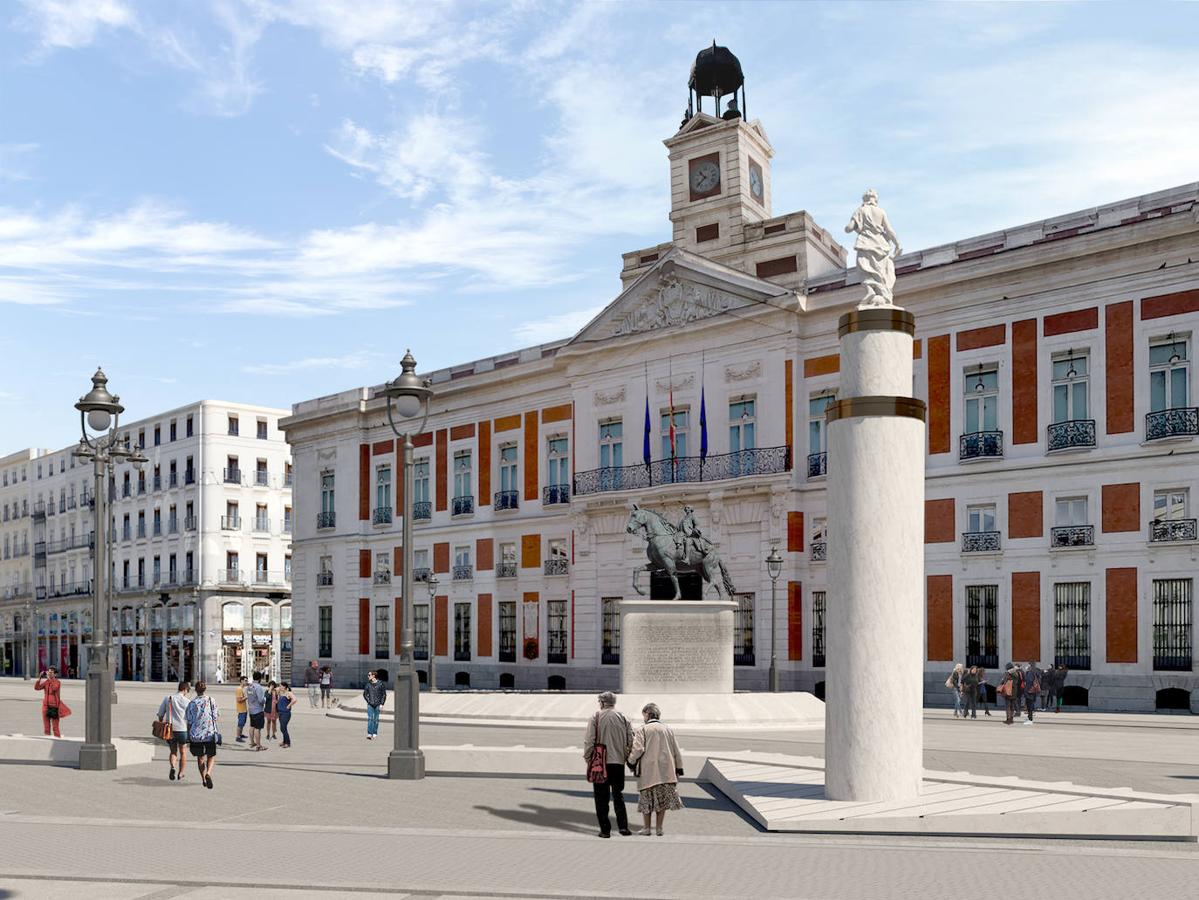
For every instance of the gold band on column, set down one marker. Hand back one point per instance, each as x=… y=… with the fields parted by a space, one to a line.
x=883 y=319
x=854 y=407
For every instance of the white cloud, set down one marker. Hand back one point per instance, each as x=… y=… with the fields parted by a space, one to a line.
x=12 y=157
x=349 y=361
x=73 y=23
x=551 y=328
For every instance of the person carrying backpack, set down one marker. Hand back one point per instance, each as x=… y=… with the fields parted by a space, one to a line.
x=1032 y=689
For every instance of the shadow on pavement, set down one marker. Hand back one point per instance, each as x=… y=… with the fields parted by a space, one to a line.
x=714 y=802
x=1187 y=777
x=576 y=820
x=143 y=781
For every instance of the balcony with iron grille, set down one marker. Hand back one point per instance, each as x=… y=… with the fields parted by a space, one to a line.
x=557 y=565
x=421 y=574
x=287 y=526
x=462 y=506
x=326 y=520
x=189 y=476
x=819 y=551
x=1182 y=421
x=39 y=510
x=158 y=528
x=422 y=510
x=158 y=482
x=382 y=515
x=506 y=500
x=555 y=493
x=324 y=579
x=232 y=476
x=685 y=470
x=141 y=530
x=69 y=589
x=173 y=480
x=230 y=523
x=1076 y=434
x=262 y=525
x=189 y=523
x=39 y=551
x=980 y=542
x=262 y=478
x=505 y=570
x=1062 y=536
x=78 y=542
x=981 y=445
x=229 y=576
x=173 y=525
x=817 y=465
x=382 y=578
x=1168 y=531
x=463 y=573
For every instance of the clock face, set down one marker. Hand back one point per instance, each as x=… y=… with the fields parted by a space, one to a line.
x=756 y=187
x=705 y=177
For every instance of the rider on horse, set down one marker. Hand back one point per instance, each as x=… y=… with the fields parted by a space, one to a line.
x=689 y=538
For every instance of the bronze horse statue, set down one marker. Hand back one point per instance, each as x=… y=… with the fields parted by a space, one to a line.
x=668 y=554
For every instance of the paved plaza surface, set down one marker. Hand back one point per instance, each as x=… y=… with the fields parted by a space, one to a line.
x=320 y=820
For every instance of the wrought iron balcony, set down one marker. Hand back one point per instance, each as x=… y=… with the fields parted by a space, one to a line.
x=506 y=499
x=229 y=576
x=39 y=550
x=505 y=570
x=262 y=478
x=980 y=541
x=69 y=589
x=126 y=533
x=817 y=464
x=230 y=523
x=819 y=551
x=158 y=528
x=158 y=482
x=78 y=542
x=1072 y=536
x=232 y=476
x=39 y=510
x=141 y=530
x=557 y=565
x=173 y=525
x=141 y=485
x=1070 y=435
x=463 y=573
x=187 y=576
x=189 y=476
x=262 y=524
x=287 y=526
x=382 y=515
x=382 y=578
x=70 y=503
x=686 y=469
x=189 y=523
x=422 y=510
x=1182 y=421
x=1171 y=530
x=555 y=493
x=462 y=506
x=326 y=520
x=981 y=445
x=173 y=480
x=324 y=579
x=262 y=577
x=421 y=573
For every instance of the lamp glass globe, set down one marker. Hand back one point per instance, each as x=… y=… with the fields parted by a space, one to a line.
x=407 y=406
x=99 y=419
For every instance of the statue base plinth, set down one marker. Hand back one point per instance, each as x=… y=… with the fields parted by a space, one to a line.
x=676 y=647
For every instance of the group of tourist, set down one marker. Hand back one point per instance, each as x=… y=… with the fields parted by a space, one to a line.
x=262 y=707
x=319 y=681
x=651 y=753
x=193 y=725
x=1021 y=687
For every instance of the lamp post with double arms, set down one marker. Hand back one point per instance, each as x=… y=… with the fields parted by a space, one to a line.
x=99 y=412
x=774 y=568
x=432 y=586
x=408 y=397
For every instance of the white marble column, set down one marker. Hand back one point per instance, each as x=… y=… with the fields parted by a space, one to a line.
x=875 y=613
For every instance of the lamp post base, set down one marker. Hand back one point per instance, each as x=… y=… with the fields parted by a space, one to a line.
x=774 y=677
x=405 y=765
x=97 y=757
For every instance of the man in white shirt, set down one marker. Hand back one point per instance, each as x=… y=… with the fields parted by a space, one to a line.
x=173 y=709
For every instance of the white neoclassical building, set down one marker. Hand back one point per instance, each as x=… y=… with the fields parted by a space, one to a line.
x=1055 y=358
x=201 y=561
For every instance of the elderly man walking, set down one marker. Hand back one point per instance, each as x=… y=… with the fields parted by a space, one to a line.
x=612 y=729
x=312 y=681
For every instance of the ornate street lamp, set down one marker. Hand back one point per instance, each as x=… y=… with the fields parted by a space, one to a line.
x=774 y=568
x=431 y=584
x=99 y=412
x=408 y=397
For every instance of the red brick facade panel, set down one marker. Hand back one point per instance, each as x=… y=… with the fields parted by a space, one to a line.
x=938 y=394
x=1024 y=382
x=381 y=447
x=364 y=482
x=441 y=557
x=977 y=338
x=795 y=532
x=1169 y=304
x=443 y=625
x=1121 y=605
x=1025 y=514
x=364 y=564
x=442 y=467
x=1117 y=322
x=1026 y=616
x=364 y=625
x=483 y=617
x=1121 y=507
x=1070 y=322
x=462 y=432
x=794 y=620
x=939 y=620
x=940 y=525
x=821 y=365
x=507 y=423
x=530 y=551
x=789 y=404
x=485 y=463
x=532 y=456
x=485 y=554
x=561 y=413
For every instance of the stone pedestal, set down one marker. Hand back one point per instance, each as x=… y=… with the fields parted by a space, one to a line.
x=875 y=616
x=676 y=646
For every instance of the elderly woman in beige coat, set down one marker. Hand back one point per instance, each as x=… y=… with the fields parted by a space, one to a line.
x=658 y=764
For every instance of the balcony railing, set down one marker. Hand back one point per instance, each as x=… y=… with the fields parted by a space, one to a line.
x=39 y=550
x=1072 y=434
x=421 y=573
x=463 y=573
x=505 y=570
x=557 y=565
x=382 y=578
x=70 y=503
x=1182 y=421
x=263 y=525
x=422 y=510
x=141 y=530
x=126 y=489
x=173 y=480
x=229 y=576
x=980 y=541
x=326 y=520
x=39 y=510
x=262 y=478
x=1072 y=536
x=158 y=482
x=158 y=528
x=287 y=478
x=819 y=551
x=230 y=523
x=172 y=525
x=232 y=476
x=506 y=499
x=69 y=589
x=687 y=469
x=324 y=579
x=189 y=476
x=981 y=445
x=462 y=506
x=555 y=493
x=382 y=515
x=189 y=523
x=287 y=526
x=72 y=543
x=817 y=464
x=1171 y=530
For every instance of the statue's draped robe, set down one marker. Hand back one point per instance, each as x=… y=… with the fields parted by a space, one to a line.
x=873 y=247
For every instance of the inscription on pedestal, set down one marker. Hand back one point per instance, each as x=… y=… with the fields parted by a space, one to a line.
x=677 y=647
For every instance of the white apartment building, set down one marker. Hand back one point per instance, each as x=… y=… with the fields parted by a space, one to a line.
x=200 y=536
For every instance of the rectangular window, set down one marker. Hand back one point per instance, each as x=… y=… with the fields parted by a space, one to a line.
x=173 y=569
x=982 y=399
x=817 y=439
x=980 y=518
x=382 y=632
x=742 y=424
x=461 y=632
x=420 y=631
x=982 y=625
x=1170 y=505
x=1072 y=625
x=462 y=564
x=818 y=601
x=1172 y=635
x=327 y=492
x=556 y=634
x=743 y=631
x=156 y=570
x=174 y=430
x=682 y=419
x=611 y=447
x=287 y=569
x=1169 y=374
x=610 y=631
x=420 y=480
x=325 y=631
x=157 y=435
x=231 y=565
x=233 y=426
x=383 y=488
x=463 y=482
x=508 y=479
x=262 y=429
x=558 y=461
x=261 y=568
x=507 y=631
x=1070 y=511
x=1071 y=388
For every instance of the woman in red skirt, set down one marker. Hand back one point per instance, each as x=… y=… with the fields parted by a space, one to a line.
x=53 y=709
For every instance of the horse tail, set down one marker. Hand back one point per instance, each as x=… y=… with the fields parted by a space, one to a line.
x=727 y=579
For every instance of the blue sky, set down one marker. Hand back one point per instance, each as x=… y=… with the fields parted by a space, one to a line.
x=266 y=201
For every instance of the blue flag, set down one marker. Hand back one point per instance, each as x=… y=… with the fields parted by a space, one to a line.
x=703 y=426
x=645 y=445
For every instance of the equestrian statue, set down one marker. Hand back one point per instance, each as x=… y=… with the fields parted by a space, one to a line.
x=679 y=548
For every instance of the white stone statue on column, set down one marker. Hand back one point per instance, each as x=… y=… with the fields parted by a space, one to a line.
x=874 y=250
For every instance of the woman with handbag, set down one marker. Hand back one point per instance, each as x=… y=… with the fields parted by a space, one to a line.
x=658 y=763
x=172 y=713
x=53 y=709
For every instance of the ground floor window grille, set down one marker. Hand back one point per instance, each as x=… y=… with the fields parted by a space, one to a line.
x=462 y=631
x=382 y=632
x=1072 y=625
x=325 y=632
x=507 y=632
x=982 y=625
x=1172 y=624
x=556 y=631
x=818 y=628
x=743 y=631
x=420 y=631
x=610 y=649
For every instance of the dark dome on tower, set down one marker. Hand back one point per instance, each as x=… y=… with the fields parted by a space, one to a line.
x=716 y=73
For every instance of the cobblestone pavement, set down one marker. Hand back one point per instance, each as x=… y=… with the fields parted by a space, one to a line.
x=319 y=820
